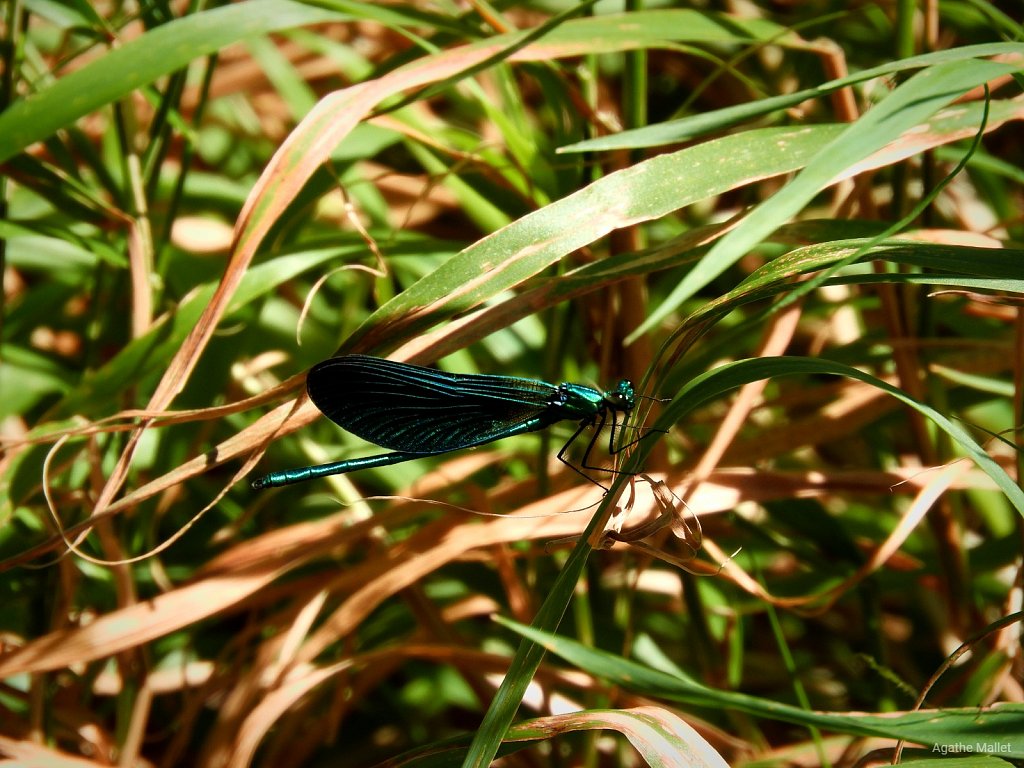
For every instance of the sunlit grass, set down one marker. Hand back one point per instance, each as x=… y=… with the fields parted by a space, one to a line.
x=805 y=245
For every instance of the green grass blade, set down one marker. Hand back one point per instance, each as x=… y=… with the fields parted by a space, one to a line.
x=687 y=128
x=642 y=192
x=1002 y=724
x=911 y=104
x=141 y=61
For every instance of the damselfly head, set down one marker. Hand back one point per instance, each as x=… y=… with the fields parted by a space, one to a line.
x=622 y=398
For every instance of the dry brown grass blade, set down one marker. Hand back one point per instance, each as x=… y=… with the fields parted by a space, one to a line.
x=277 y=703
x=936 y=485
x=28 y=754
x=272 y=706
x=159 y=418
x=855 y=405
x=725 y=488
x=278 y=422
x=247 y=569
x=137 y=624
x=432 y=547
x=775 y=342
x=646 y=729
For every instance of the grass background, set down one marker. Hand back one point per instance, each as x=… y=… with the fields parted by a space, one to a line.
x=798 y=225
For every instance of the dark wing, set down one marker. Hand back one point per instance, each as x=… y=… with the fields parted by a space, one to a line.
x=410 y=408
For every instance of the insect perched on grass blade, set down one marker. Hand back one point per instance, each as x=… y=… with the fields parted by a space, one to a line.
x=417 y=412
